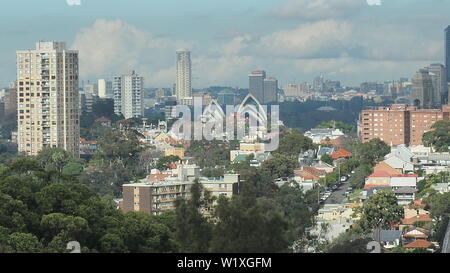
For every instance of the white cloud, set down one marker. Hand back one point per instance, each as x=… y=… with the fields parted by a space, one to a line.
x=318 y=9
x=115 y=47
x=347 y=50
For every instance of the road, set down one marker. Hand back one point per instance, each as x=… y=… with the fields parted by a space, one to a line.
x=336 y=197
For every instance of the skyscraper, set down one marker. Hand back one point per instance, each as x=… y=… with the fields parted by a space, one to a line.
x=447 y=59
x=184 y=76
x=48 y=103
x=440 y=86
x=105 y=88
x=256 y=84
x=270 y=90
x=422 y=89
x=447 y=52
x=128 y=95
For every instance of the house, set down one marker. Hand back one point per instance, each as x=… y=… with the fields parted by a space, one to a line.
x=415 y=233
x=318 y=135
x=402 y=152
x=405 y=195
x=341 y=153
x=306 y=158
x=88 y=147
x=324 y=167
x=408 y=222
x=423 y=244
x=399 y=164
x=174 y=151
x=388 y=238
x=324 y=150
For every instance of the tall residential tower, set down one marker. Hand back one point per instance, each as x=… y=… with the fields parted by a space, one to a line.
x=183 y=90
x=47 y=88
x=128 y=95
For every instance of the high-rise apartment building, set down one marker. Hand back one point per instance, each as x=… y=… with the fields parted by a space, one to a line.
x=256 y=84
x=422 y=89
x=48 y=103
x=399 y=123
x=183 y=85
x=105 y=89
x=440 y=86
x=128 y=95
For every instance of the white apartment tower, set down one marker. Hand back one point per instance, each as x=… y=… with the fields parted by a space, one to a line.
x=48 y=98
x=105 y=88
x=128 y=95
x=184 y=76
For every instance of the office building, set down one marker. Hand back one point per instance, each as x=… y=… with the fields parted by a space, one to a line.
x=48 y=98
x=399 y=123
x=440 y=85
x=128 y=95
x=265 y=90
x=447 y=53
x=256 y=84
x=422 y=89
x=183 y=85
x=270 y=90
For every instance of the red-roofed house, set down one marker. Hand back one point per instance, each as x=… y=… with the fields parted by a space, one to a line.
x=419 y=244
x=341 y=153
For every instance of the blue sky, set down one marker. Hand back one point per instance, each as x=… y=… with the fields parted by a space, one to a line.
x=293 y=40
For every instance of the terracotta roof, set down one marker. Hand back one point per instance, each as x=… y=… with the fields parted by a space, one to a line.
x=380 y=174
x=313 y=171
x=307 y=176
x=383 y=166
x=103 y=119
x=341 y=154
x=419 y=244
x=369 y=186
x=157 y=177
x=418 y=218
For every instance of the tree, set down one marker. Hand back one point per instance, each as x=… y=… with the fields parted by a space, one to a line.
x=372 y=151
x=164 y=162
x=193 y=231
x=349 y=242
x=278 y=166
x=246 y=225
x=327 y=159
x=440 y=211
x=293 y=144
x=439 y=137
x=24 y=243
x=380 y=211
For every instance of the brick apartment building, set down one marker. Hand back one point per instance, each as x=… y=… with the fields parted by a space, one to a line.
x=156 y=195
x=399 y=123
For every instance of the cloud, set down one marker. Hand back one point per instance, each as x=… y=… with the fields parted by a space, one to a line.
x=342 y=49
x=117 y=47
x=318 y=9
x=340 y=38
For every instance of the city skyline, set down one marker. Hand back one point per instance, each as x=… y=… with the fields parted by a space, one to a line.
x=345 y=40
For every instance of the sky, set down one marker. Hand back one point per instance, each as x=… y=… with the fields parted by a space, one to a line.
x=293 y=40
